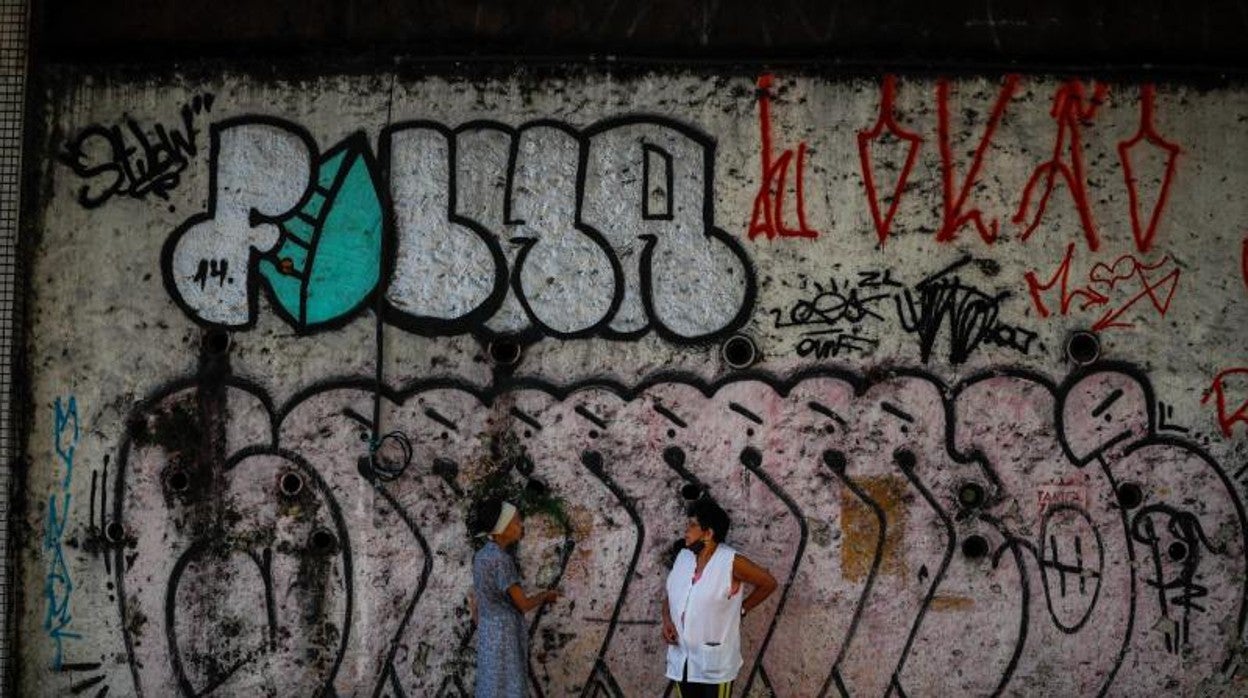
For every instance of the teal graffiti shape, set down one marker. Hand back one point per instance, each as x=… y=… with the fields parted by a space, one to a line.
x=58 y=586
x=328 y=260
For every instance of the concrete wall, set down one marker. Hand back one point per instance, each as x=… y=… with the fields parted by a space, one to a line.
x=964 y=359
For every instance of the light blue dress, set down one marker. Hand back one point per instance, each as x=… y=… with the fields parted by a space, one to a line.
x=502 y=638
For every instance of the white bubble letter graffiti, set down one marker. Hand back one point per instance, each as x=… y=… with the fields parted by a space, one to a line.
x=260 y=172
x=647 y=190
x=564 y=275
x=445 y=268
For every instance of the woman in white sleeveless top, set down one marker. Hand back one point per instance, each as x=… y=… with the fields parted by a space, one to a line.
x=705 y=603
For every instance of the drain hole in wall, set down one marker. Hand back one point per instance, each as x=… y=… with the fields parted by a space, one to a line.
x=971 y=495
x=739 y=351
x=114 y=533
x=504 y=352
x=1130 y=495
x=291 y=484
x=1083 y=347
x=178 y=480
x=323 y=542
x=975 y=547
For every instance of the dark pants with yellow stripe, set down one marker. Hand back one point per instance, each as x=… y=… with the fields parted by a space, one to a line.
x=685 y=689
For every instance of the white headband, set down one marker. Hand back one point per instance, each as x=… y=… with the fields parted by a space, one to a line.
x=504 y=518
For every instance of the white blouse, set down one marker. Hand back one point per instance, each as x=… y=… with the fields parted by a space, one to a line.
x=707 y=616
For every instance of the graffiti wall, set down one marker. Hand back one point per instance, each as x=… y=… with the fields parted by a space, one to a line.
x=964 y=359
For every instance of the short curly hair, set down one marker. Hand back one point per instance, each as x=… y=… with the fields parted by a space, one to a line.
x=711 y=516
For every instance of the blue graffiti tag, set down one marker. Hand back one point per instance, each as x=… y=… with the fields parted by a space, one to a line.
x=58 y=586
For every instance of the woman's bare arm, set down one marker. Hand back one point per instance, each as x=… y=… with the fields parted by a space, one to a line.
x=526 y=603
x=670 y=635
x=745 y=570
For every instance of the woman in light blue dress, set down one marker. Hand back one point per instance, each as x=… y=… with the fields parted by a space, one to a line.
x=502 y=635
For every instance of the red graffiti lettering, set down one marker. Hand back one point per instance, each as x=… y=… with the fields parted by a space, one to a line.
x=1147 y=134
x=1103 y=281
x=955 y=214
x=1048 y=495
x=1068 y=295
x=1071 y=113
x=767 y=217
x=1149 y=289
x=885 y=130
x=1218 y=389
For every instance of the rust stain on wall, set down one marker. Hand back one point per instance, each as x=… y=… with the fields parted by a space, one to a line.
x=860 y=527
x=951 y=603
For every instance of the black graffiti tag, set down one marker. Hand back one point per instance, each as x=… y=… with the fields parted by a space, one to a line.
x=1176 y=566
x=831 y=319
x=971 y=314
x=128 y=160
x=834 y=321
